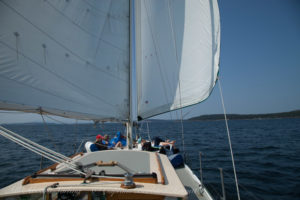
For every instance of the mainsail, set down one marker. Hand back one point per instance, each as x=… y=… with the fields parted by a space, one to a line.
x=67 y=58
x=72 y=58
x=178 y=45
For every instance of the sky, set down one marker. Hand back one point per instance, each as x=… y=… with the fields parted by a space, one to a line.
x=259 y=61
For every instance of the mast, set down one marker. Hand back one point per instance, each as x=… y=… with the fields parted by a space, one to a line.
x=131 y=56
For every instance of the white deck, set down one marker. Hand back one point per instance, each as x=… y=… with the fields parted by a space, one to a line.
x=192 y=183
x=172 y=188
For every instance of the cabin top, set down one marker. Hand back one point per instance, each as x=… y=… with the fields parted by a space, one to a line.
x=153 y=175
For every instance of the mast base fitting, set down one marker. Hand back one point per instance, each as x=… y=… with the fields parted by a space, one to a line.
x=128 y=186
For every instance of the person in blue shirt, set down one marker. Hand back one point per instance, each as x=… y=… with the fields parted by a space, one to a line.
x=106 y=141
x=98 y=144
x=118 y=141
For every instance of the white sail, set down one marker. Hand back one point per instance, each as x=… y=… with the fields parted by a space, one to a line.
x=68 y=58
x=177 y=53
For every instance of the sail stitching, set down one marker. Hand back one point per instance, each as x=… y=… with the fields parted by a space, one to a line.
x=157 y=54
x=63 y=46
x=64 y=111
x=93 y=6
x=43 y=91
x=102 y=31
x=83 y=29
x=17 y=44
x=58 y=76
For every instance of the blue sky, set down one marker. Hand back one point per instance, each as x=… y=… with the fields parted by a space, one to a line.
x=260 y=58
x=259 y=63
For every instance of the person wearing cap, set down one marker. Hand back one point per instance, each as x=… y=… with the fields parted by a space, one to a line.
x=99 y=143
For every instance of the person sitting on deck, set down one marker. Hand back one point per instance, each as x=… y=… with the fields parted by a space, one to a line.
x=158 y=142
x=105 y=139
x=162 y=146
x=98 y=144
x=118 y=141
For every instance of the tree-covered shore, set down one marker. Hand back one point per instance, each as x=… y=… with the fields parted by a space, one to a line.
x=291 y=114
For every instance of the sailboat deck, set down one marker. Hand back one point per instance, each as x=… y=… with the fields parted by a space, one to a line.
x=168 y=183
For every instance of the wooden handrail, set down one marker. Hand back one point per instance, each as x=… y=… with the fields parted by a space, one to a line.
x=160 y=169
x=30 y=180
x=110 y=163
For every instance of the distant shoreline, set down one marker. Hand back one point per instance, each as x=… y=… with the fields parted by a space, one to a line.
x=210 y=117
x=291 y=114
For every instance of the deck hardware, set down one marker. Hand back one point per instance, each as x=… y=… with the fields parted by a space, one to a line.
x=46 y=188
x=113 y=163
x=128 y=181
x=88 y=175
x=79 y=166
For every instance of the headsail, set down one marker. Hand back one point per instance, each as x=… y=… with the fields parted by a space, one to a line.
x=178 y=45
x=68 y=58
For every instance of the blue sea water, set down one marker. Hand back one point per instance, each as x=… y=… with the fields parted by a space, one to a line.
x=266 y=152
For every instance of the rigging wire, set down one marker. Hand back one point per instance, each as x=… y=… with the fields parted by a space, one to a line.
x=31 y=143
x=188 y=112
x=38 y=149
x=48 y=130
x=251 y=193
x=77 y=135
x=43 y=151
x=181 y=121
x=66 y=162
x=56 y=120
x=148 y=131
x=79 y=146
x=213 y=188
x=229 y=140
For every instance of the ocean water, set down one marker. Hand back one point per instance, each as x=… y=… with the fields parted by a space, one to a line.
x=266 y=152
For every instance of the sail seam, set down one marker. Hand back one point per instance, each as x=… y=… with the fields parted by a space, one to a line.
x=58 y=76
x=83 y=29
x=63 y=46
x=179 y=85
x=94 y=7
x=43 y=91
x=157 y=54
x=101 y=32
x=58 y=112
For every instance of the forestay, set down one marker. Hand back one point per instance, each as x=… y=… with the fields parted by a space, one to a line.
x=177 y=53
x=67 y=58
